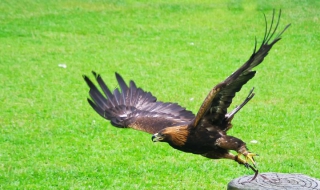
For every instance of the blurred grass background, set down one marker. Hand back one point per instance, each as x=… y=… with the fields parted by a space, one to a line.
x=51 y=139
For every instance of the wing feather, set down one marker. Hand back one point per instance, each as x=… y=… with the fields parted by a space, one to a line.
x=103 y=86
x=214 y=108
x=123 y=87
x=133 y=107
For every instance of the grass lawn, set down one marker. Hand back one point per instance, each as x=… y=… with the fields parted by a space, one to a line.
x=50 y=138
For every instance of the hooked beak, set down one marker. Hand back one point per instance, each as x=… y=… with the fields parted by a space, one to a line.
x=156 y=138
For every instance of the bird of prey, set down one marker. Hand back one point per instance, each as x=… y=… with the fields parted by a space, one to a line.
x=204 y=133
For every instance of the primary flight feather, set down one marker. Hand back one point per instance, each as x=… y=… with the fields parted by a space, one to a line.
x=204 y=133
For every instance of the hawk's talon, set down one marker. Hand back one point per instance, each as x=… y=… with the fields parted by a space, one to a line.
x=247 y=165
x=250 y=156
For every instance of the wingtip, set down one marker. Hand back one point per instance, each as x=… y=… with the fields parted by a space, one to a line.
x=117 y=75
x=285 y=28
x=86 y=78
x=95 y=74
x=121 y=82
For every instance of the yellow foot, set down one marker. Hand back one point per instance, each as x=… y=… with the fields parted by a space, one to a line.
x=248 y=158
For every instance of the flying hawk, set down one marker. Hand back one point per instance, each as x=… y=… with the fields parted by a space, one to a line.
x=204 y=133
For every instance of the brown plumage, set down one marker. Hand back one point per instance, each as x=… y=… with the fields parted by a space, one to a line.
x=204 y=133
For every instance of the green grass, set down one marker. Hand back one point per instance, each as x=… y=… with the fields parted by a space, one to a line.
x=50 y=138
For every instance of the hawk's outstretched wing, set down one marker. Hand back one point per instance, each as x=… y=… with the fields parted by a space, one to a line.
x=134 y=108
x=214 y=107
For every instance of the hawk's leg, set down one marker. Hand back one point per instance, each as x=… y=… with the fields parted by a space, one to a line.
x=242 y=151
x=244 y=162
x=233 y=143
